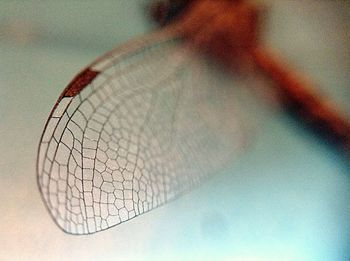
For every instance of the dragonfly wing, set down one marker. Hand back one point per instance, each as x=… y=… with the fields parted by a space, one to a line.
x=138 y=127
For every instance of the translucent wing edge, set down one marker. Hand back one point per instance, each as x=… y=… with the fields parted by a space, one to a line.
x=84 y=78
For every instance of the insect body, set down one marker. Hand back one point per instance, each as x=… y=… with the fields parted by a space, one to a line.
x=151 y=119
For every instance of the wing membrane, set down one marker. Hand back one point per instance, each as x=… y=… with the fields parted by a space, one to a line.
x=137 y=128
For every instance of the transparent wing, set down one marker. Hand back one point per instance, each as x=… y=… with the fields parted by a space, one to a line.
x=135 y=129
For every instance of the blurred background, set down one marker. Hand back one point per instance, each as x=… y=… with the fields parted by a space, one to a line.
x=286 y=198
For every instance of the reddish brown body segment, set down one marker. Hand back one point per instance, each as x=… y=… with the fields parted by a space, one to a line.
x=228 y=31
x=299 y=97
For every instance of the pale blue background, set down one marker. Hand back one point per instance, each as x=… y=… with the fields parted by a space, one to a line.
x=286 y=198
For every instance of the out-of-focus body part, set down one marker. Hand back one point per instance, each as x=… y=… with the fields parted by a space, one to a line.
x=228 y=31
